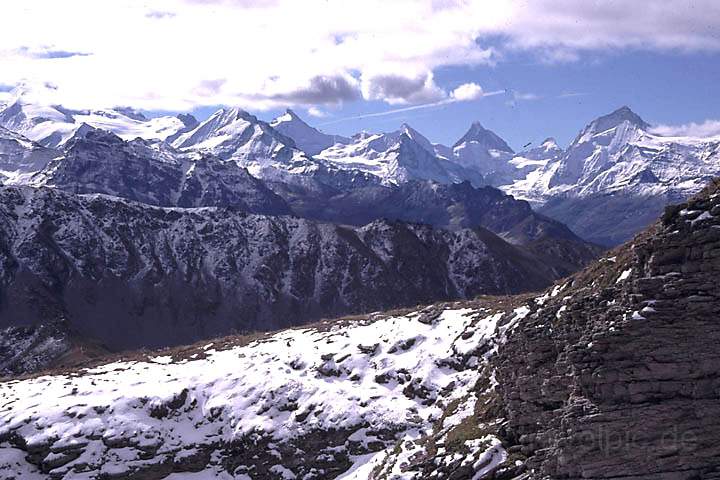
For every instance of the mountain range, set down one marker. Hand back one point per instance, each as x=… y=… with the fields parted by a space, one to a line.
x=278 y=220
x=608 y=374
x=609 y=183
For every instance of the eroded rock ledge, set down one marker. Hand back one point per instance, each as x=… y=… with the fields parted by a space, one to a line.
x=618 y=375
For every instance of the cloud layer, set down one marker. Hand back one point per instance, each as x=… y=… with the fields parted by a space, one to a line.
x=708 y=128
x=266 y=53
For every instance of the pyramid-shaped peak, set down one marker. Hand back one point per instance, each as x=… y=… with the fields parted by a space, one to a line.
x=487 y=138
x=406 y=128
x=288 y=117
x=611 y=120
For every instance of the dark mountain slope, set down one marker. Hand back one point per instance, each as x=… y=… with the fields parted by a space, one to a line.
x=97 y=161
x=450 y=206
x=132 y=275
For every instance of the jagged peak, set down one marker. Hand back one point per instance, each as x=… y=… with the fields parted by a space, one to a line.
x=234 y=113
x=289 y=117
x=479 y=134
x=93 y=134
x=293 y=115
x=188 y=119
x=615 y=118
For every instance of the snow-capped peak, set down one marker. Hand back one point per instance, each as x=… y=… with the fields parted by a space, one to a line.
x=413 y=134
x=484 y=137
x=623 y=121
x=308 y=139
x=549 y=144
x=290 y=116
x=52 y=125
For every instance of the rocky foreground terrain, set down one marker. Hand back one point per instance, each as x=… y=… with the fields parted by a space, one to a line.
x=610 y=374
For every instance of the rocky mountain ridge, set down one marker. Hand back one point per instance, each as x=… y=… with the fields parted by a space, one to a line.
x=125 y=272
x=156 y=174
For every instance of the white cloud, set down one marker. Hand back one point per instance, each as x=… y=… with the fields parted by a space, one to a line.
x=265 y=53
x=708 y=128
x=316 y=112
x=467 y=92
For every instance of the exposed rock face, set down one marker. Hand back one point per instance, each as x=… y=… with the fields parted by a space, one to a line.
x=451 y=206
x=28 y=349
x=132 y=275
x=154 y=173
x=616 y=376
x=32 y=348
x=18 y=156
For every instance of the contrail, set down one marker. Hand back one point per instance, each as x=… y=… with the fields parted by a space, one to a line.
x=447 y=101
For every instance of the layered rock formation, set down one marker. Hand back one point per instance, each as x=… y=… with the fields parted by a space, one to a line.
x=617 y=375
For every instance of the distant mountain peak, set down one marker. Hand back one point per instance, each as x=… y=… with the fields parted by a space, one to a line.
x=237 y=113
x=289 y=117
x=293 y=115
x=132 y=113
x=615 y=118
x=487 y=138
x=188 y=119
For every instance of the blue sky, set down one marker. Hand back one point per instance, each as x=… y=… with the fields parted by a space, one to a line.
x=551 y=99
x=525 y=69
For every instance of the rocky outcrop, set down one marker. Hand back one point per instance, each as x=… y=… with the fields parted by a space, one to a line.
x=32 y=348
x=616 y=375
x=28 y=349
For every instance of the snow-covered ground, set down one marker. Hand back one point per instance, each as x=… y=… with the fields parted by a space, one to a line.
x=368 y=383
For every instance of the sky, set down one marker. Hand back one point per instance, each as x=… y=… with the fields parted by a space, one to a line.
x=525 y=69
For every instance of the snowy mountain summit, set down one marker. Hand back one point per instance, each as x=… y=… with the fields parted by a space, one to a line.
x=52 y=125
x=308 y=139
x=616 y=176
